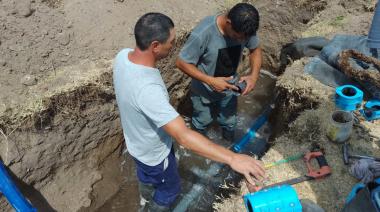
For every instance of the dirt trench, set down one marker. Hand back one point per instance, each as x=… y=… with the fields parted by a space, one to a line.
x=60 y=131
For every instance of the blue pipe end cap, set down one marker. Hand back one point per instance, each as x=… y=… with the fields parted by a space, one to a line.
x=371 y=110
x=280 y=198
x=348 y=97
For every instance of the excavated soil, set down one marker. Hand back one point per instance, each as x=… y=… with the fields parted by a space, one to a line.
x=59 y=124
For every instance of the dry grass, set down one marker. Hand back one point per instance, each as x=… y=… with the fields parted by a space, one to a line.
x=325 y=28
x=331 y=192
x=63 y=81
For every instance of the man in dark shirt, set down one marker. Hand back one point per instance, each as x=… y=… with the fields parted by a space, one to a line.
x=211 y=56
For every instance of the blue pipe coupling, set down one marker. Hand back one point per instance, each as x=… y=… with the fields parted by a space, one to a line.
x=251 y=134
x=371 y=110
x=374 y=32
x=348 y=97
x=280 y=198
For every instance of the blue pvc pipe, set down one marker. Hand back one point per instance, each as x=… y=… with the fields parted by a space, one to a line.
x=198 y=188
x=13 y=195
x=374 y=32
x=261 y=120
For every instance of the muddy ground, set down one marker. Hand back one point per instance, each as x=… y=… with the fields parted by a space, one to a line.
x=58 y=119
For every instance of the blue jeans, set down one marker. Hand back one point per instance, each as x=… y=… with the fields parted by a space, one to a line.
x=203 y=109
x=163 y=178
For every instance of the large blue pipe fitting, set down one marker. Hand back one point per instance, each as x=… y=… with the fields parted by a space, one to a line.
x=13 y=195
x=374 y=32
x=371 y=110
x=348 y=97
x=261 y=120
x=280 y=198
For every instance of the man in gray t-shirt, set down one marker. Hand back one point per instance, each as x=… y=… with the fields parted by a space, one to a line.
x=149 y=121
x=211 y=56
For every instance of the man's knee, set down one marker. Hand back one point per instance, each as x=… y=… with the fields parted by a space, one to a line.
x=167 y=196
x=228 y=123
x=201 y=117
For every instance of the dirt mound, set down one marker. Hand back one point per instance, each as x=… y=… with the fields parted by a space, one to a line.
x=38 y=37
x=282 y=22
x=51 y=143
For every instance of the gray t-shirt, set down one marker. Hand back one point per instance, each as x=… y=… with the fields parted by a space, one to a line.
x=214 y=54
x=144 y=107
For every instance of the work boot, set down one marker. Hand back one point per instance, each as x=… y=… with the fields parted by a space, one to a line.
x=146 y=196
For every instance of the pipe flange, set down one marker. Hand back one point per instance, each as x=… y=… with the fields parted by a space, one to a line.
x=371 y=110
x=348 y=97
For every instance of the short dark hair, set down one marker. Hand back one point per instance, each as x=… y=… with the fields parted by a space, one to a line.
x=152 y=27
x=244 y=19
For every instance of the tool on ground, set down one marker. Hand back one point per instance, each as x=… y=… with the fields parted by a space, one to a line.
x=348 y=97
x=286 y=160
x=323 y=171
x=371 y=110
x=280 y=198
x=347 y=156
x=11 y=192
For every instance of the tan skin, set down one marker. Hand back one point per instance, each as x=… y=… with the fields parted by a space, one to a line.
x=252 y=169
x=220 y=84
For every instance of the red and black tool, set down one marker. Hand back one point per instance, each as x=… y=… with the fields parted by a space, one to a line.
x=323 y=171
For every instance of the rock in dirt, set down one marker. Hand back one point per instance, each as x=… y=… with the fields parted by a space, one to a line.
x=3 y=62
x=63 y=38
x=24 y=8
x=29 y=80
x=3 y=108
x=15 y=47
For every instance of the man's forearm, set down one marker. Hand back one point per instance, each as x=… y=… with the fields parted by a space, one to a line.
x=197 y=142
x=255 y=60
x=204 y=147
x=193 y=71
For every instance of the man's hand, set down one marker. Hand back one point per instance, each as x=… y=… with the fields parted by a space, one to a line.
x=252 y=169
x=251 y=83
x=221 y=84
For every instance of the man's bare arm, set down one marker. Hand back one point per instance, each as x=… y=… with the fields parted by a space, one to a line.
x=255 y=60
x=199 y=144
